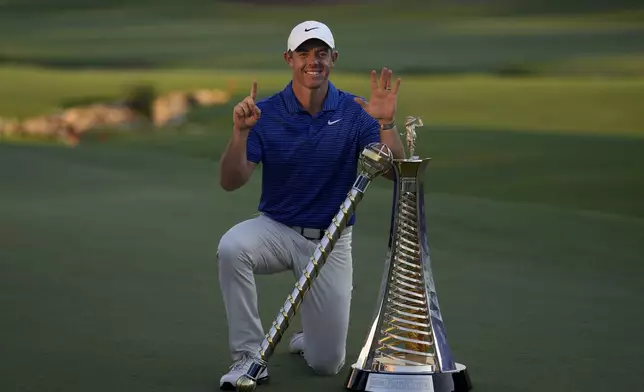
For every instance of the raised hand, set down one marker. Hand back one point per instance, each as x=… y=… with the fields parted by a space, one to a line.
x=246 y=113
x=384 y=97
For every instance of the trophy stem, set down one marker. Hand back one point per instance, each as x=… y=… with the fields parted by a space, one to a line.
x=373 y=164
x=312 y=270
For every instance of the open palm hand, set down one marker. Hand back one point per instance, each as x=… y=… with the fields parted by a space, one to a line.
x=384 y=98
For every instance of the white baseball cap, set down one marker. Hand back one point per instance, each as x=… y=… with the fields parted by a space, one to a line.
x=310 y=29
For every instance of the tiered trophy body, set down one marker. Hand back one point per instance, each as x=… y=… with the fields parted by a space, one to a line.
x=406 y=348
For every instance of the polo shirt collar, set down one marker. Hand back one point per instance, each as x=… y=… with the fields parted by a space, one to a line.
x=293 y=105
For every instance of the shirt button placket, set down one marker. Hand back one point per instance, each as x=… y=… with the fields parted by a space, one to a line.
x=311 y=126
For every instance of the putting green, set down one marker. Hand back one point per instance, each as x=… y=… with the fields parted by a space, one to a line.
x=110 y=280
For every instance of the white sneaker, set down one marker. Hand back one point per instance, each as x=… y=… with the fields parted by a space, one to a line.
x=229 y=380
x=296 y=345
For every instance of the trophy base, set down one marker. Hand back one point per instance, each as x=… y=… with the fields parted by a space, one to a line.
x=368 y=381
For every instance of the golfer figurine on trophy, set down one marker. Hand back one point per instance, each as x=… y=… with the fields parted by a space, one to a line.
x=406 y=348
x=410 y=134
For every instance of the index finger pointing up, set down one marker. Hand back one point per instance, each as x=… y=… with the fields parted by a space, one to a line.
x=253 y=90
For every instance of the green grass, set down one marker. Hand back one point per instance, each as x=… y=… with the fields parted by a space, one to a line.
x=412 y=37
x=109 y=275
x=529 y=136
x=556 y=104
x=594 y=173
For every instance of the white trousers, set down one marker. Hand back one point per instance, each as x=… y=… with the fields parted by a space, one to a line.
x=263 y=246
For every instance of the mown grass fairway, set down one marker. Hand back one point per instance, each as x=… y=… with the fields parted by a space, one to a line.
x=110 y=280
x=412 y=36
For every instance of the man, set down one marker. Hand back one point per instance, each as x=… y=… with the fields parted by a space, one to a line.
x=308 y=137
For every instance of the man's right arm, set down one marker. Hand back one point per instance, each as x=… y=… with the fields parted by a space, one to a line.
x=234 y=167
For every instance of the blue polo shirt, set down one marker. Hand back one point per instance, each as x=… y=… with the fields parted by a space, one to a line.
x=309 y=163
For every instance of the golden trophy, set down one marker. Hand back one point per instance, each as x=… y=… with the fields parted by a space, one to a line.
x=406 y=348
x=375 y=160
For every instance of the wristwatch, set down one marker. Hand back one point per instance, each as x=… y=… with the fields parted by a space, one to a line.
x=385 y=127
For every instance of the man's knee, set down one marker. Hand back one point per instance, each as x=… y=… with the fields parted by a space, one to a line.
x=231 y=249
x=327 y=364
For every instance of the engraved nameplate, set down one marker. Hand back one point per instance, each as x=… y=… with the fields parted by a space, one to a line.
x=399 y=383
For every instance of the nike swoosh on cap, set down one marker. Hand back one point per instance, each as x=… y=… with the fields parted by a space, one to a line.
x=312 y=28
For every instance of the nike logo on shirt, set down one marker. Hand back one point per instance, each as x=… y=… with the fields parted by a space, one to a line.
x=333 y=122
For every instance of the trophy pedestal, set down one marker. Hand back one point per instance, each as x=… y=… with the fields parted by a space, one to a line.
x=360 y=380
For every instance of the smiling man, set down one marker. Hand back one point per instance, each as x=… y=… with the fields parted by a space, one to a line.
x=308 y=137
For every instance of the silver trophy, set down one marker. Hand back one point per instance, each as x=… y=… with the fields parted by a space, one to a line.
x=406 y=348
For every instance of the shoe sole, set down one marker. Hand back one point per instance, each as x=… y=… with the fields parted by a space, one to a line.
x=230 y=387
